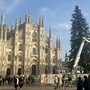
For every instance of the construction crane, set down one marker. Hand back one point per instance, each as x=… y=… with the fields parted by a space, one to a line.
x=79 y=52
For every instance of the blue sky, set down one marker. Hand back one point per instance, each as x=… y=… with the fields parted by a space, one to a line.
x=56 y=13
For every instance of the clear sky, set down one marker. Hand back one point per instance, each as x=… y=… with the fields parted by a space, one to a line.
x=56 y=13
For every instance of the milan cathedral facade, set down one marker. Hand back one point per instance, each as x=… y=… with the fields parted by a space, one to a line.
x=26 y=49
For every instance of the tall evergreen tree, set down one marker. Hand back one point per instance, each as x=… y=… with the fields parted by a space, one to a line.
x=79 y=30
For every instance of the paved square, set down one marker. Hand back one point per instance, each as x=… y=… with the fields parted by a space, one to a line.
x=36 y=87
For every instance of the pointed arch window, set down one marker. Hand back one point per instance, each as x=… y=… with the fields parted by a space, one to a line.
x=8 y=72
x=9 y=57
x=20 y=47
x=46 y=59
x=53 y=60
x=46 y=50
x=20 y=58
x=34 y=50
x=19 y=71
x=34 y=37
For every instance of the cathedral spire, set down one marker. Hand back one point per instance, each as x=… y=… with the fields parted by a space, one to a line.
x=20 y=22
x=66 y=54
x=16 y=25
x=2 y=18
x=59 y=42
x=26 y=18
x=12 y=27
x=1 y=33
x=56 y=42
x=41 y=22
x=5 y=34
x=29 y=18
x=50 y=34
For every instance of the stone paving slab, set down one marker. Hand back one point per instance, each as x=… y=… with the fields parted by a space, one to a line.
x=36 y=88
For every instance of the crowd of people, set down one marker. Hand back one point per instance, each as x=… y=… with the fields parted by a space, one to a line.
x=81 y=84
x=17 y=80
x=62 y=82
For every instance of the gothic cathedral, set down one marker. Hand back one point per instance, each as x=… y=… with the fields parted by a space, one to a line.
x=26 y=49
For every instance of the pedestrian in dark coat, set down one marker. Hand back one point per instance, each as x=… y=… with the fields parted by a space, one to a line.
x=80 y=84
x=21 y=82
x=3 y=80
x=89 y=82
x=16 y=82
x=85 y=84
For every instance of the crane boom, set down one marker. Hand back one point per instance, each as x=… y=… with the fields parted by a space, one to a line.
x=79 y=51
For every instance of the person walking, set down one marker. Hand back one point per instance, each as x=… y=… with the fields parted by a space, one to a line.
x=80 y=84
x=3 y=80
x=63 y=81
x=21 y=82
x=89 y=82
x=16 y=82
x=69 y=81
x=56 y=81
x=85 y=84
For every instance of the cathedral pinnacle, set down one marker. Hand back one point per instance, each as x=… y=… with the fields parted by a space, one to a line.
x=20 y=21
x=41 y=22
x=50 y=34
x=66 y=54
x=12 y=27
x=26 y=18
x=2 y=18
x=59 y=42
x=16 y=25
x=56 y=42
